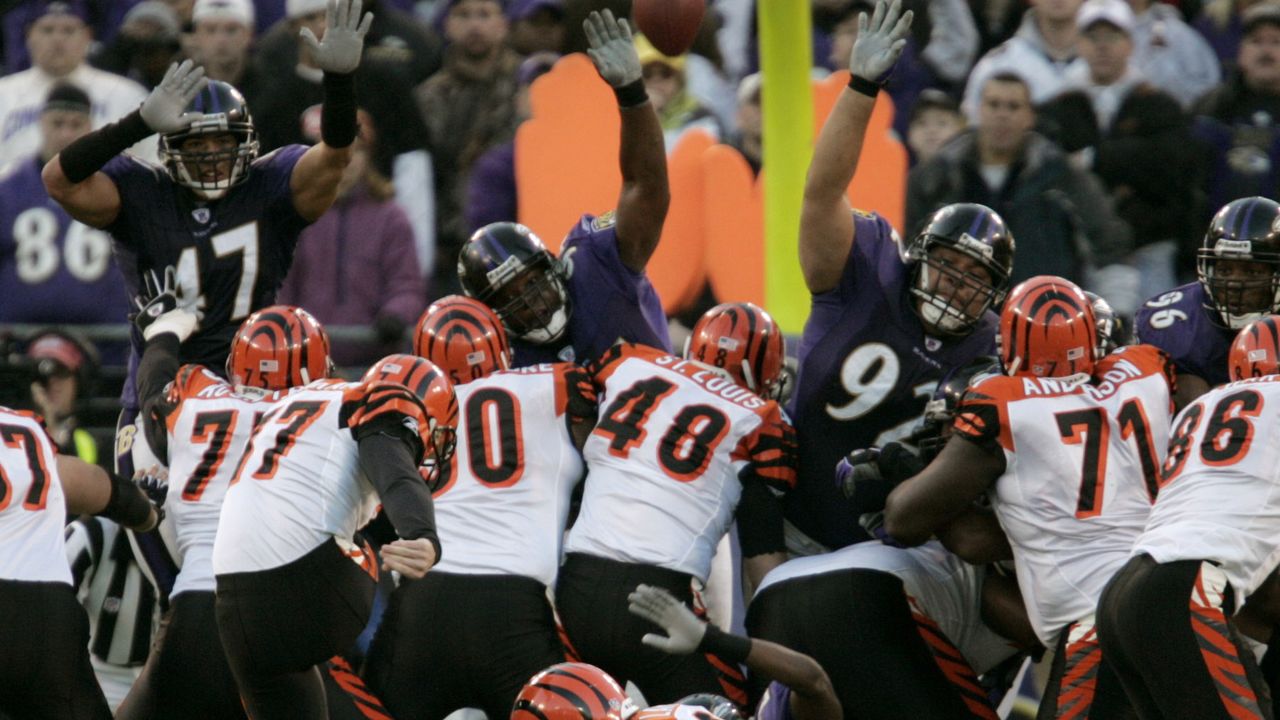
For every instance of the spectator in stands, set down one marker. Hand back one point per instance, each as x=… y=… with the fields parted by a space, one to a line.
x=64 y=367
x=934 y=120
x=1062 y=219
x=468 y=107
x=1137 y=140
x=357 y=265
x=491 y=189
x=1239 y=121
x=1040 y=52
x=748 y=138
x=537 y=26
x=221 y=38
x=1221 y=23
x=397 y=40
x=996 y=20
x=678 y=110
x=145 y=45
x=58 y=40
x=1170 y=54
x=52 y=268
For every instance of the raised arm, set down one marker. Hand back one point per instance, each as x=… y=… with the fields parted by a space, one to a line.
x=646 y=195
x=314 y=181
x=73 y=177
x=826 y=226
x=814 y=698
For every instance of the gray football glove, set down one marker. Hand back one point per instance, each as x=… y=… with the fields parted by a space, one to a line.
x=612 y=49
x=163 y=110
x=880 y=41
x=339 y=51
x=684 y=629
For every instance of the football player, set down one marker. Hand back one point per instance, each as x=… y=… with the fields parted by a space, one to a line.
x=516 y=465
x=574 y=307
x=681 y=447
x=885 y=322
x=1207 y=549
x=44 y=634
x=572 y=691
x=291 y=589
x=1071 y=494
x=200 y=425
x=1112 y=332
x=800 y=689
x=1238 y=281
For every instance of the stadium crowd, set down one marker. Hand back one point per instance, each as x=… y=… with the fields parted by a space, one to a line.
x=1020 y=462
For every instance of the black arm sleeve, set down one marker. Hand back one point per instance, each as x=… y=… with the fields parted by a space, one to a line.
x=156 y=369
x=388 y=463
x=127 y=505
x=759 y=519
x=86 y=156
x=338 y=126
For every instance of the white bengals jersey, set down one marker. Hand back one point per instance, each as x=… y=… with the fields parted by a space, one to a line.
x=938 y=584
x=1082 y=463
x=665 y=459
x=515 y=467
x=208 y=426
x=33 y=509
x=1220 y=486
x=298 y=484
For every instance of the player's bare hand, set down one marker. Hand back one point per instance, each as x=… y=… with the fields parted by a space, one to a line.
x=684 y=629
x=410 y=558
x=612 y=49
x=880 y=40
x=164 y=109
x=344 y=31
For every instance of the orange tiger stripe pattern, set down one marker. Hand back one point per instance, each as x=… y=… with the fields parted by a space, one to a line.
x=279 y=347
x=1256 y=350
x=572 y=691
x=744 y=340
x=1047 y=329
x=464 y=337
x=428 y=383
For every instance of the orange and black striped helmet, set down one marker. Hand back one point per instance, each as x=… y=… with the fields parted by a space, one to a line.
x=572 y=691
x=1256 y=349
x=464 y=337
x=745 y=341
x=279 y=347
x=1047 y=329
x=430 y=384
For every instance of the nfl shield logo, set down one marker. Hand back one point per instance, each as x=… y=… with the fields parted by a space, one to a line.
x=201 y=215
x=932 y=344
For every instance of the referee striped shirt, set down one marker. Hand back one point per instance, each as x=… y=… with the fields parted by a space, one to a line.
x=120 y=602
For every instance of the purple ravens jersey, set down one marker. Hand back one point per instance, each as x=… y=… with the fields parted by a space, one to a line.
x=867 y=368
x=775 y=704
x=52 y=268
x=610 y=301
x=1179 y=323
x=232 y=253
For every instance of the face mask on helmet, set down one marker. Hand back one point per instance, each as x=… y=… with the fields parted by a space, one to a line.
x=962 y=260
x=214 y=153
x=533 y=305
x=505 y=266
x=1238 y=263
x=1112 y=333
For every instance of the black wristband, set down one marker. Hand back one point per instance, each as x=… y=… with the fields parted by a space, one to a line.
x=338 y=113
x=86 y=156
x=862 y=85
x=127 y=506
x=631 y=94
x=728 y=647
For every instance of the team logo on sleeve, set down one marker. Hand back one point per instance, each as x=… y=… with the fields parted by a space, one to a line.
x=201 y=215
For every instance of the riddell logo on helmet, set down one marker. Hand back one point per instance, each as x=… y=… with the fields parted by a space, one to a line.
x=969 y=242
x=505 y=271
x=1232 y=247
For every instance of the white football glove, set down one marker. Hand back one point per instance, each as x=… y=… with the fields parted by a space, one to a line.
x=684 y=629
x=880 y=41
x=163 y=110
x=339 y=51
x=612 y=49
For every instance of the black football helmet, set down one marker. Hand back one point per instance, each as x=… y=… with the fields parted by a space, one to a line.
x=933 y=432
x=505 y=266
x=1245 y=230
x=972 y=229
x=1112 y=332
x=222 y=111
x=720 y=707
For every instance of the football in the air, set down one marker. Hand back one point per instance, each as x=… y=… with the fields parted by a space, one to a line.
x=670 y=25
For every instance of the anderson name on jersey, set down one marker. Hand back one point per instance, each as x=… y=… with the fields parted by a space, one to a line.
x=1081 y=465
x=298 y=483
x=515 y=467
x=674 y=445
